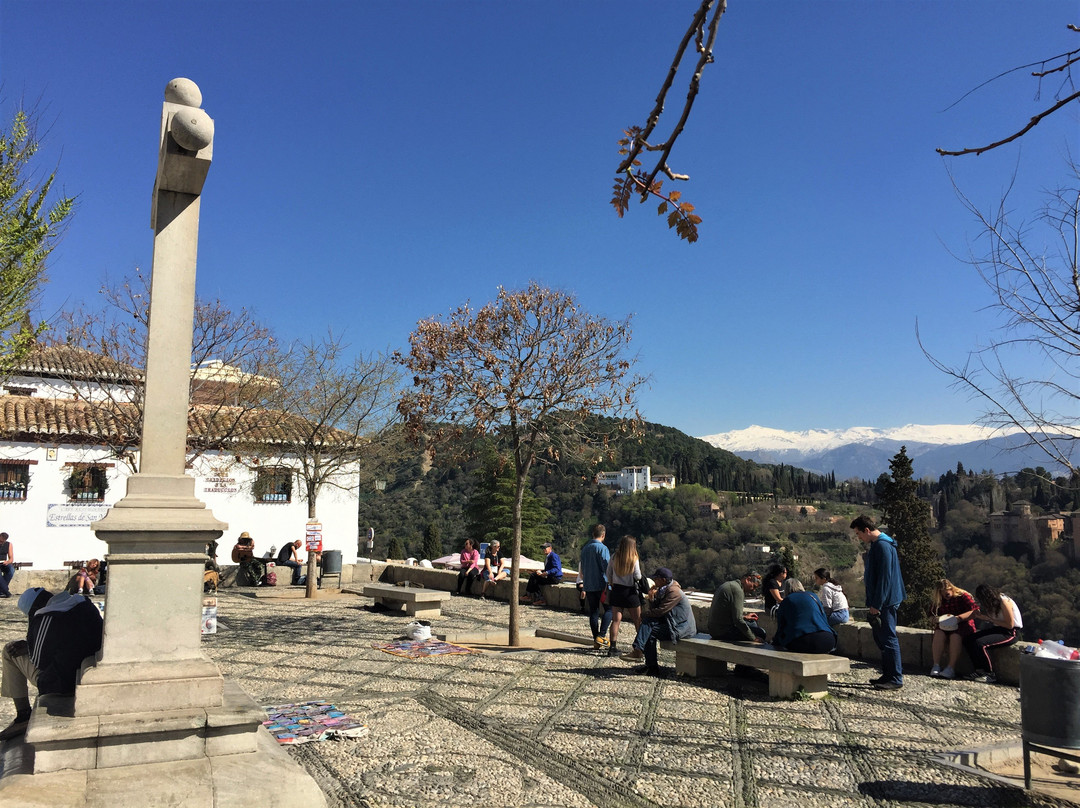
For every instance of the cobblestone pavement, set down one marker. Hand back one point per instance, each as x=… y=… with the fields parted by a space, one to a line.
x=571 y=727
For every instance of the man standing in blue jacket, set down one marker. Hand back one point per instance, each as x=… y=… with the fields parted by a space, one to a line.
x=592 y=577
x=884 y=594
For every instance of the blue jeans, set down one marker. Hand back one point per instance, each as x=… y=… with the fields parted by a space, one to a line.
x=839 y=616
x=886 y=639
x=295 y=570
x=6 y=571
x=651 y=632
x=598 y=621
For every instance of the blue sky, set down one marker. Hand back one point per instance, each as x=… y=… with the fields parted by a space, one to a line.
x=376 y=163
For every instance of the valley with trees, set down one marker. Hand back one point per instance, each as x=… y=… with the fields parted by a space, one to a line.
x=708 y=535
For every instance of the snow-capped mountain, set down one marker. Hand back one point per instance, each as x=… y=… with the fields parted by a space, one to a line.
x=864 y=452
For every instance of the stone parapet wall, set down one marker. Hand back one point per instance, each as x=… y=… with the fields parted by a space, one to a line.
x=854 y=640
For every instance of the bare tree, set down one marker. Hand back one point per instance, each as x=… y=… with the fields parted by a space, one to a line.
x=1032 y=273
x=1058 y=67
x=233 y=361
x=336 y=416
x=526 y=369
x=630 y=178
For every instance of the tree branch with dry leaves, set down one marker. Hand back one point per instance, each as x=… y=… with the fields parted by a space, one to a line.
x=1062 y=63
x=630 y=178
x=525 y=370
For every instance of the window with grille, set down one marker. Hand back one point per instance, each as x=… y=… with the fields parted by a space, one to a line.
x=14 y=479
x=88 y=484
x=274 y=485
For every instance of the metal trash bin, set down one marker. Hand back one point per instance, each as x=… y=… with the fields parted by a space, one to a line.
x=1049 y=707
x=331 y=562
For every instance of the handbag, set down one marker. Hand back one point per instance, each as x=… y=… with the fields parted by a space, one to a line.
x=948 y=622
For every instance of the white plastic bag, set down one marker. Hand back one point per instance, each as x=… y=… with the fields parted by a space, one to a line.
x=418 y=631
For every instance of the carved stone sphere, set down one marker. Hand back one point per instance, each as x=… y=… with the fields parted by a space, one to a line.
x=193 y=129
x=183 y=91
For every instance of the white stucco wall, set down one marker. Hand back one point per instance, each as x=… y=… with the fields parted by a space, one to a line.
x=47 y=529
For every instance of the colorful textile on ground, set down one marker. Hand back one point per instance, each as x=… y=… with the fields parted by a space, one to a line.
x=417 y=649
x=311 y=721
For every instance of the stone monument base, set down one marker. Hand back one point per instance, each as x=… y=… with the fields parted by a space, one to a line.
x=223 y=757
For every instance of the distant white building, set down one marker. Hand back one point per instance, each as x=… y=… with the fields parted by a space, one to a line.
x=60 y=470
x=632 y=479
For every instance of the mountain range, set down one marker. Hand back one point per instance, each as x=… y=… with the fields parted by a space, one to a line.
x=864 y=452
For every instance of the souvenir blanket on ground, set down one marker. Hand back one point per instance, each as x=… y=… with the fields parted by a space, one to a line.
x=417 y=649
x=311 y=721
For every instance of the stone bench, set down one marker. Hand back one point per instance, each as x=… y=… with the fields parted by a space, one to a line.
x=788 y=672
x=417 y=602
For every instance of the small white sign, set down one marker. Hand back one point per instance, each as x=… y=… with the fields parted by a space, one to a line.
x=75 y=514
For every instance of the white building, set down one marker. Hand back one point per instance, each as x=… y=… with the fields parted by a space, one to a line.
x=631 y=479
x=61 y=425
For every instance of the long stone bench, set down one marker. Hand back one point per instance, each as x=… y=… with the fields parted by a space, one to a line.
x=417 y=602
x=788 y=672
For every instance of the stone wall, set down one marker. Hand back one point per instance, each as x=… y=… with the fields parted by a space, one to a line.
x=854 y=640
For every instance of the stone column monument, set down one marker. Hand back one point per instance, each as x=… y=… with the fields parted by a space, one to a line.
x=153 y=699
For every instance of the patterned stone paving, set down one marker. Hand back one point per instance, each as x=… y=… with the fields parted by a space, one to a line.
x=572 y=727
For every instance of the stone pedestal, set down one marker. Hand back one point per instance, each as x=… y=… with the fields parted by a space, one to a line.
x=153 y=710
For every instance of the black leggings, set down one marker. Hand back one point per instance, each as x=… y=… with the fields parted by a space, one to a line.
x=978 y=645
x=472 y=575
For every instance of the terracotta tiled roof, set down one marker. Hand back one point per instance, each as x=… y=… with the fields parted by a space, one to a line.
x=33 y=419
x=68 y=362
x=51 y=420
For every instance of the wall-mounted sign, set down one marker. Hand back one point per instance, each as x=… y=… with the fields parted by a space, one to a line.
x=75 y=514
x=221 y=485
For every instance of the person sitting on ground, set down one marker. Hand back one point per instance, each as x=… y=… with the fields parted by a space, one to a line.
x=470 y=567
x=287 y=557
x=252 y=569
x=63 y=630
x=953 y=608
x=832 y=597
x=495 y=568
x=85 y=578
x=727 y=620
x=771 y=589
x=549 y=575
x=624 y=576
x=802 y=625
x=669 y=617
x=1003 y=615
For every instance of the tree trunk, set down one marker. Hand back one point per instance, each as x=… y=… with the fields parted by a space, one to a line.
x=514 y=639
x=312 y=574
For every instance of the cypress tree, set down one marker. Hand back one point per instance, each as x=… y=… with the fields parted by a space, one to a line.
x=432 y=547
x=489 y=513
x=906 y=519
x=395 y=549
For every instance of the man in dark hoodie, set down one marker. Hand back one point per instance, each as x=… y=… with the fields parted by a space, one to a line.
x=884 y=594
x=669 y=617
x=63 y=630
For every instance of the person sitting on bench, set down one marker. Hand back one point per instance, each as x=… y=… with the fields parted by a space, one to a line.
x=252 y=569
x=726 y=619
x=287 y=557
x=802 y=625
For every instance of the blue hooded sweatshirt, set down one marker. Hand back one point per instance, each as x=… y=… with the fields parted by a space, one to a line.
x=881 y=574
